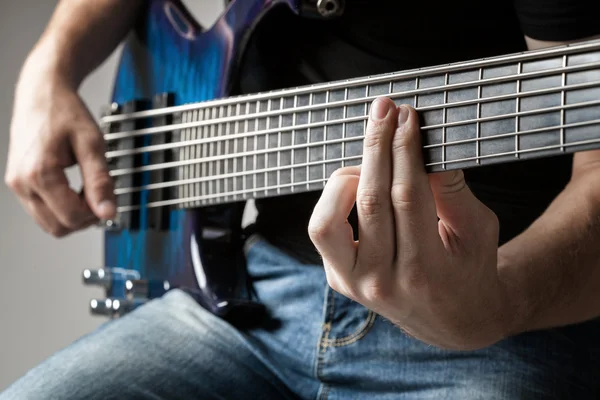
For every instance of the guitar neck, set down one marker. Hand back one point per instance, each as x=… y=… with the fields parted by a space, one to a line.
x=490 y=111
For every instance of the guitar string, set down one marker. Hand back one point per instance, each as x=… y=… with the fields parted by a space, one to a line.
x=180 y=163
x=244 y=173
x=266 y=189
x=573 y=49
x=224 y=138
x=360 y=101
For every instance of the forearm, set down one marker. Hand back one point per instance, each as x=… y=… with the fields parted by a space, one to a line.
x=552 y=270
x=80 y=35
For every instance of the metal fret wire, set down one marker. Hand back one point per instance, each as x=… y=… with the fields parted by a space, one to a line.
x=562 y=103
x=444 y=112
x=477 y=158
x=358 y=101
x=316 y=181
x=517 y=109
x=326 y=117
x=308 y=137
x=569 y=49
x=169 y=146
x=477 y=116
x=152 y=167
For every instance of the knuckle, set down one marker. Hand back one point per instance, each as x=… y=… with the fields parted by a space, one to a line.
x=369 y=202
x=58 y=231
x=12 y=181
x=415 y=282
x=377 y=291
x=405 y=196
x=404 y=139
x=319 y=230
x=72 y=219
x=374 y=139
x=455 y=184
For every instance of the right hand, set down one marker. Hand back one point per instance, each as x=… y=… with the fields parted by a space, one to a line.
x=51 y=130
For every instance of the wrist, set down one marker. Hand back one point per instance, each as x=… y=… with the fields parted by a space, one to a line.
x=50 y=63
x=519 y=306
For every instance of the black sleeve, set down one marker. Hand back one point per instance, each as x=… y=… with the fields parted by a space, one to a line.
x=559 y=20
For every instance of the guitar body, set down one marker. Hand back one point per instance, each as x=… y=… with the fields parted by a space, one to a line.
x=170 y=59
x=177 y=140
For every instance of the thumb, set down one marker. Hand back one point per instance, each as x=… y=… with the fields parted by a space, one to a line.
x=89 y=148
x=456 y=205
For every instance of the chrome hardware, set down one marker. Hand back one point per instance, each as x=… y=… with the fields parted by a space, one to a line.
x=99 y=277
x=109 y=224
x=330 y=8
x=114 y=308
x=136 y=288
x=122 y=307
x=141 y=288
x=322 y=8
x=103 y=307
x=124 y=290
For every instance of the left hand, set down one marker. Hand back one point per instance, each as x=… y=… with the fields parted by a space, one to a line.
x=436 y=280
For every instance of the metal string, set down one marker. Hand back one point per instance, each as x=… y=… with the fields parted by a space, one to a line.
x=194 y=199
x=172 y=164
x=359 y=101
x=565 y=50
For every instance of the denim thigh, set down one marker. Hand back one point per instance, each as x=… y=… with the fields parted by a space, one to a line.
x=330 y=347
x=168 y=349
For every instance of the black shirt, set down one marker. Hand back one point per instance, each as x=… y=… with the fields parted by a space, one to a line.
x=375 y=37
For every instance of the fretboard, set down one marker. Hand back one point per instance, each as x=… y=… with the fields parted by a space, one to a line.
x=503 y=109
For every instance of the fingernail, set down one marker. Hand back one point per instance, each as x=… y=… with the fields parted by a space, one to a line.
x=106 y=208
x=380 y=109
x=402 y=115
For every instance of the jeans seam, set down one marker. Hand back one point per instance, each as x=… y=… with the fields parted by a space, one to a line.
x=325 y=328
x=356 y=336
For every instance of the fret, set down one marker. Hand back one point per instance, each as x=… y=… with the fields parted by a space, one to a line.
x=204 y=150
x=255 y=179
x=517 y=109
x=345 y=114
x=563 y=83
x=416 y=99
x=181 y=174
x=326 y=118
x=279 y=146
x=478 y=126
x=223 y=112
x=186 y=172
x=444 y=118
x=195 y=153
x=293 y=141
x=308 y=140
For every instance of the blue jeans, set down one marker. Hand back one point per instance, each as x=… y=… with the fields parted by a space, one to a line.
x=321 y=346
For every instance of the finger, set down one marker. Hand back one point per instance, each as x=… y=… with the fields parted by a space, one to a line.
x=351 y=170
x=45 y=218
x=89 y=148
x=413 y=202
x=52 y=186
x=373 y=203
x=328 y=227
x=457 y=207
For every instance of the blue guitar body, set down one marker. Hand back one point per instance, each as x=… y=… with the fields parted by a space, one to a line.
x=170 y=60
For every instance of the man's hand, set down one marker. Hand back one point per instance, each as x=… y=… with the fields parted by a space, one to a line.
x=435 y=279
x=52 y=130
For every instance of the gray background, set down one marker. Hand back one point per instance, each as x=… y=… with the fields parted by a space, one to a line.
x=43 y=304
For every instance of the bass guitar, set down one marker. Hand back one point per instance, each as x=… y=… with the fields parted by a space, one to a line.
x=186 y=155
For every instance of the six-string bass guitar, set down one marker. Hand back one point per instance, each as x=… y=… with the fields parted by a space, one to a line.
x=186 y=154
